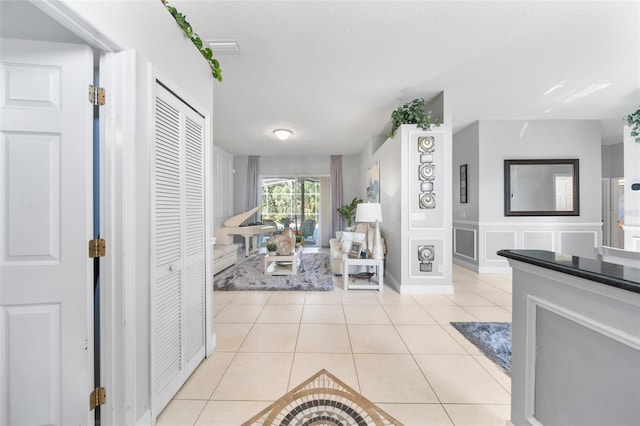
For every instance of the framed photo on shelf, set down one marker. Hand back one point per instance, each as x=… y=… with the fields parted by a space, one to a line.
x=463 y=184
x=354 y=252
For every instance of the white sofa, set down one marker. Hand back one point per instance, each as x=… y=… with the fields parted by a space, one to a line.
x=341 y=244
x=225 y=252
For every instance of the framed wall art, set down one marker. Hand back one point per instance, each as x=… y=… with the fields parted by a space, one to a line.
x=463 y=184
x=373 y=183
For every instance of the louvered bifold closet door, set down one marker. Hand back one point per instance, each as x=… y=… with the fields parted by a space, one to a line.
x=178 y=246
x=194 y=239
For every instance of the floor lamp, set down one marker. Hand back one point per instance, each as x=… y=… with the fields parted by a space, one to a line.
x=372 y=212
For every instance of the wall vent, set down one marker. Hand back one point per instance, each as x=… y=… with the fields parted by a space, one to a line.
x=224 y=47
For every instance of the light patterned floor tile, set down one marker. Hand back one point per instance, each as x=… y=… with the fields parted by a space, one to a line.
x=271 y=338
x=366 y=314
x=500 y=298
x=280 y=314
x=203 y=381
x=391 y=297
x=252 y=297
x=243 y=383
x=227 y=413
x=429 y=339
x=287 y=298
x=239 y=313
x=489 y=313
x=323 y=298
x=409 y=314
x=229 y=336
x=375 y=339
x=469 y=299
x=323 y=338
x=255 y=377
x=323 y=314
x=359 y=297
x=224 y=297
x=495 y=370
x=446 y=314
x=460 y=379
x=478 y=415
x=462 y=341
x=433 y=300
x=181 y=412
x=392 y=379
x=418 y=414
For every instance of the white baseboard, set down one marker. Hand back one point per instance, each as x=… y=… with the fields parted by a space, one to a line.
x=471 y=266
x=390 y=280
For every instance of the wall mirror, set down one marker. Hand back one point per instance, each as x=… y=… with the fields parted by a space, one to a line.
x=541 y=187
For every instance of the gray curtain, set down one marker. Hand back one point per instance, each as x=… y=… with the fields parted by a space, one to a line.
x=253 y=185
x=336 y=193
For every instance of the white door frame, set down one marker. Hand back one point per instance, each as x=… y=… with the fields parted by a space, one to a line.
x=117 y=210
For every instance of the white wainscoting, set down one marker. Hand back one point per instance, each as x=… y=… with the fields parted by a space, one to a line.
x=631 y=237
x=570 y=238
x=465 y=243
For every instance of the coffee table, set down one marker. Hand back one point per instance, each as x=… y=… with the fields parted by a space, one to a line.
x=283 y=265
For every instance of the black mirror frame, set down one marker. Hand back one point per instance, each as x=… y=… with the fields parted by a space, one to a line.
x=575 y=163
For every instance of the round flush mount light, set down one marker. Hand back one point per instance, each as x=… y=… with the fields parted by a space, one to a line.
x=283 y=134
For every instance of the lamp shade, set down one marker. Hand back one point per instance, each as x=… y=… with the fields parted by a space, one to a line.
x=369 y=212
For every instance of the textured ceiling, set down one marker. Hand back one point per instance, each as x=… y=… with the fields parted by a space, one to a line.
x=333 y=71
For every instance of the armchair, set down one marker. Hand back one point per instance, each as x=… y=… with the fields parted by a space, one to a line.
x=308 y=227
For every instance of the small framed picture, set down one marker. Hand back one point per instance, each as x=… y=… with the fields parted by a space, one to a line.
x=463 y=183
x=354 y=252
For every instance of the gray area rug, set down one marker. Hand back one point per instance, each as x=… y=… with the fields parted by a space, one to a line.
x=492 y=338
x=314 y=274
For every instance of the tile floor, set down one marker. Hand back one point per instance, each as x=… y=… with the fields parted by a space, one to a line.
x=399 y=351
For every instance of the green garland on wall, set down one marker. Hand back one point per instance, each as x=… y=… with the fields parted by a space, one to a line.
x=633 y=120
x=181 y=20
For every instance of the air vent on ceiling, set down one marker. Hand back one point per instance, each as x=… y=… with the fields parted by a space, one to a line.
x=224 y=47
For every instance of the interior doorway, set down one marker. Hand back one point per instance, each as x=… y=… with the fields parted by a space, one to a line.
x=293 y=202
x=613 y=212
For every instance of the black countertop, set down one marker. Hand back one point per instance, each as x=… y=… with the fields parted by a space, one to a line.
x=612 y=274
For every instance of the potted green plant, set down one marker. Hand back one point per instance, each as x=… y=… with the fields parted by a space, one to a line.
x=348 y=211
x=271 y=248
x=633 y=120
x=298 y=240
x=413 y=112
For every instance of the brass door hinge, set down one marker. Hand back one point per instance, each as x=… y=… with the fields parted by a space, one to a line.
x=96 y=95
x=97 y=397
x=97 y=248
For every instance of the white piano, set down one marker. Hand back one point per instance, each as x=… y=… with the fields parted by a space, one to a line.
x=233 y=226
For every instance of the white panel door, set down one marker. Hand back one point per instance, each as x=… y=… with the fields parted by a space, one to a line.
x=178 y=245
x=46 y=316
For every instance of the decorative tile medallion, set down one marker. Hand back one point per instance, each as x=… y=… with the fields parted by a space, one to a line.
x=323 y=399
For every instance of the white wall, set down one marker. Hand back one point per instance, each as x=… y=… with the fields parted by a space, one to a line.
x=389 y=157
x=147 y=28
x=613 y=160
x=535 y=139
x=466 y=143
x=222 y=165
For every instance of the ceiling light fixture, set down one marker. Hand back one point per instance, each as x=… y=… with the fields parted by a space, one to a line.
x=283 y=134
